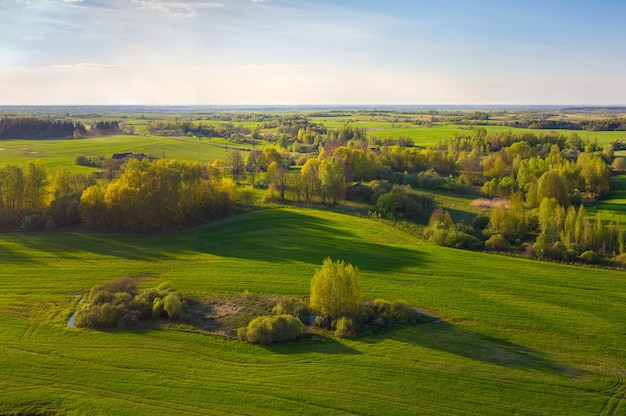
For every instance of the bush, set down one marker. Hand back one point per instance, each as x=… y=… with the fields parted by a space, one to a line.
x=119 y=304
x=400 y=312
x=480 y=222
x=174 y=306
x=271 y=329
x=345 y=328
x=590 y=257
x=294 y=307
x=620 y=260
x=497 y=242
x=51 y=225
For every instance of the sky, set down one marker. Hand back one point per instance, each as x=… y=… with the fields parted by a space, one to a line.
x=298 y=52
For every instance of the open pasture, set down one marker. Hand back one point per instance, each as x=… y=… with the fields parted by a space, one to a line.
x=428 y=136
x=62 y=152
x=517 y=336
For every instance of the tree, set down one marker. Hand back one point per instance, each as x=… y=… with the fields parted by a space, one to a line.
x=310 y=179
x=552 y=186
x=332 y=180
x=237 y=166
x=336 y=289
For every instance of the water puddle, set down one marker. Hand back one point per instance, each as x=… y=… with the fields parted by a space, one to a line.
x=70 y=322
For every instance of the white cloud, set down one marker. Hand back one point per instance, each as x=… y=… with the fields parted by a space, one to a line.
x=273 y=67
x=84 y=67
x=175 y=8
x=260 y=1
x=72 y=1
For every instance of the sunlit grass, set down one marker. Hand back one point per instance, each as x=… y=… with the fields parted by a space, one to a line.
x=517 y=336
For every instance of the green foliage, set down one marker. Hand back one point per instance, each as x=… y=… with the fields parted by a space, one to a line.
x=620 y=260
x=555 y=308
x=271 y=329
x=345 y=328
x=590 y=256
x=158 y=195
x=118 y=304
x=294 y=307
x=497 y=242
x=336 y=289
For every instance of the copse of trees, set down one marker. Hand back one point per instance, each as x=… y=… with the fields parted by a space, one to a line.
x=31 y=196
x=38 y=128
x=157 y=196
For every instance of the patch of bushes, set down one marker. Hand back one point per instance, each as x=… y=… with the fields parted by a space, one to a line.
x=118 y=304
x=270 y=329
x=293 y=307
x=497 y=242
x=372 y=316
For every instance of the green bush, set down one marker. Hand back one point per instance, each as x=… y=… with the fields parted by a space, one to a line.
x=345 y=328
x=497 y=242
x=118 y=304
x=402 y=313
x=270 y=329
x=620 y=260
x=294 y=307
x=480 y=222
x=174 y=306
x=590 y=257
x=380 y=306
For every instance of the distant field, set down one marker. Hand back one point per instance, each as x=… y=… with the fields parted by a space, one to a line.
x=62 y=152
x=427 y=136
x=613 y=207
x=518 y=336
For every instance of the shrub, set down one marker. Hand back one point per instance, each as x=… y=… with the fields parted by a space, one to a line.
x=270 y=329
x=569 y=256
x=590 y=257
x=174 y=306
x=497 y=242
x=380 y=306
x=400 y=312
x=620 y=260
x=294 y=307
x=51 y=225
x=480 y=222
x=119 y=304
x=345 y=328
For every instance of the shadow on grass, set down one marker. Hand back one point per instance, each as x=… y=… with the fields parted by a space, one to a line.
x=275 y=236
x=311 y=344
x=463 y=342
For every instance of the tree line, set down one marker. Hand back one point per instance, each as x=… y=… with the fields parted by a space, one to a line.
x=157 y=196
x=42 y=128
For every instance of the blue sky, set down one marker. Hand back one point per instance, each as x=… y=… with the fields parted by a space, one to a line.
x=312 y=52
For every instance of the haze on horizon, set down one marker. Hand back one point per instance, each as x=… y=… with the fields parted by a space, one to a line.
x=294 y=52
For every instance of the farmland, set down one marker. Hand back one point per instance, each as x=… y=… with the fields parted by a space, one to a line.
x=510 y=334
x=515 y=336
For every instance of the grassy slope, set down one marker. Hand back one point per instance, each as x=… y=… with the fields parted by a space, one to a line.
x=518 y=336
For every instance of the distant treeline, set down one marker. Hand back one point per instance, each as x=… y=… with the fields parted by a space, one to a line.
x=41 y=128
x=612 y=124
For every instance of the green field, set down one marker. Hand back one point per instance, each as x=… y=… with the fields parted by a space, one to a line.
x=427 y=136
x=61 y=152
x=517 y=336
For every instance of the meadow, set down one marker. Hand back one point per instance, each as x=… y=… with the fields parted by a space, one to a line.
x=61 y=152
x=515 y=336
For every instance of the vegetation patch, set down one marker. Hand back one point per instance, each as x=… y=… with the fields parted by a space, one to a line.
x=118 y=304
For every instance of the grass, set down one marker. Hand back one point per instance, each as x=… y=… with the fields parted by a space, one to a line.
x=517 y=336
x=428 y=136
x=613 y=207
x=62 y=152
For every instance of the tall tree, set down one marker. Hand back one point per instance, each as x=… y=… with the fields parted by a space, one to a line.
x=336 y=289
